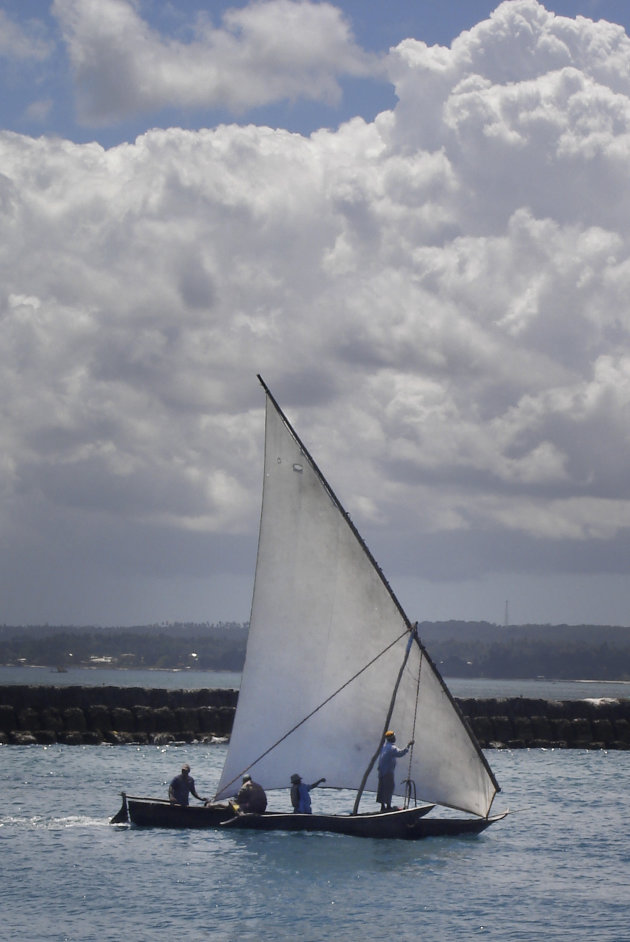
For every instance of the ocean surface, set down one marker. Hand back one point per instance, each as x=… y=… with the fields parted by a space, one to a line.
x=191 y=680
x=555 y=869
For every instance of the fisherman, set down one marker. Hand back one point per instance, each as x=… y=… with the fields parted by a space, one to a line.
x=181 y=787
x=251 y=798
x=300 y=797
x=386 y=765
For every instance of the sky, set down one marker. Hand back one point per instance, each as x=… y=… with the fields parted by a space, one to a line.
x=411 y=218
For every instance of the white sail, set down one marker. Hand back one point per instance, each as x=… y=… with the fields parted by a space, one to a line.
x=326 y=643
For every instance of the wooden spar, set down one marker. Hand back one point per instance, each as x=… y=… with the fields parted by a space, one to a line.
x=361 y=788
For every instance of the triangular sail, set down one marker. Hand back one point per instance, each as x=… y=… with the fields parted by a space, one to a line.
x=326 y=642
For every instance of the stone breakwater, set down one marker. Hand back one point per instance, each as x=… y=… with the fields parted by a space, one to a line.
x=94 y=715
x=521 y=723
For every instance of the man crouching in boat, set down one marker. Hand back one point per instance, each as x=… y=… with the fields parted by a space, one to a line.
x=181 y=787
x=386 y=765
x=300 y=797
x=251 y=798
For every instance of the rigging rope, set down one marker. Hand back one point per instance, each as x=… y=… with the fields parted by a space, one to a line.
x=413 y=733
x=316 y=710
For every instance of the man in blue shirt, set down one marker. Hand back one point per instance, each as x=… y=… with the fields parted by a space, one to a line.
x=300 y=797
x=181 y=787
x=386 y=765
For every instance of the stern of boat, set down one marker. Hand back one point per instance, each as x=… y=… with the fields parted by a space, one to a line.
x=122 y=816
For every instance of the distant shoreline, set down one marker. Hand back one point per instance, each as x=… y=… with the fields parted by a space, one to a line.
x=118 y=667
x=218 y=670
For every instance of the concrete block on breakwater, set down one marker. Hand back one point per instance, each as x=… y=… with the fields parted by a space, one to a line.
x=86 y=715
x=92 y=715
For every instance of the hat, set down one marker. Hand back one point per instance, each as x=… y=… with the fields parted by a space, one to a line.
x=247 y=778
x=296 y=778
x=390 y=734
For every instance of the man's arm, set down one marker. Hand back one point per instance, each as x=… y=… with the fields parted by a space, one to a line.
x=193 y=792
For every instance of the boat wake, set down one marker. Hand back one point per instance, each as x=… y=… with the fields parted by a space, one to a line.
x=43 y=823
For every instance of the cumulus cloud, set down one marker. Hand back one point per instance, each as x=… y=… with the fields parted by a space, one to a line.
x=268 y=51
x=438 y=298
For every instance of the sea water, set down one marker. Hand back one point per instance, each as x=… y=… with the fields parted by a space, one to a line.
x=475 y=687
x=558 y=868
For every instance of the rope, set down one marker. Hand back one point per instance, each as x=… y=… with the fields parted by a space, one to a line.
x=316 y=710
x=413 y=729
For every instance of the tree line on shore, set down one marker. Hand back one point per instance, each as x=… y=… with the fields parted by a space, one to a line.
x=460 y=649
x=167 y=646
x=559 y=652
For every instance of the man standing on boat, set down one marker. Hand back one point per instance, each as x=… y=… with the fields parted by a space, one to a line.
x=181 y=787
x=300 y=797
x=386 y=765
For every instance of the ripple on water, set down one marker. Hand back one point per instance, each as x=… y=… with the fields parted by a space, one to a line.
x=555 y=868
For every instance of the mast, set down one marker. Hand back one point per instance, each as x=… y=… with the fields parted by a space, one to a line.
x=392 y=702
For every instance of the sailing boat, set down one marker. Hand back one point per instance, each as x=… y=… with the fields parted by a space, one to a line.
x=332 y=663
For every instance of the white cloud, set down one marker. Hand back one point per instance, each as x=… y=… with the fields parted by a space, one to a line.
x=439 y=299
x=269 y=51
x=23 y=41
x=38 y=111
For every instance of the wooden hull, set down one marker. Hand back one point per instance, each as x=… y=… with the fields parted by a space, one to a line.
x=405 y=825
x=391 y=824
x=451 y=827
x=159 y=813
